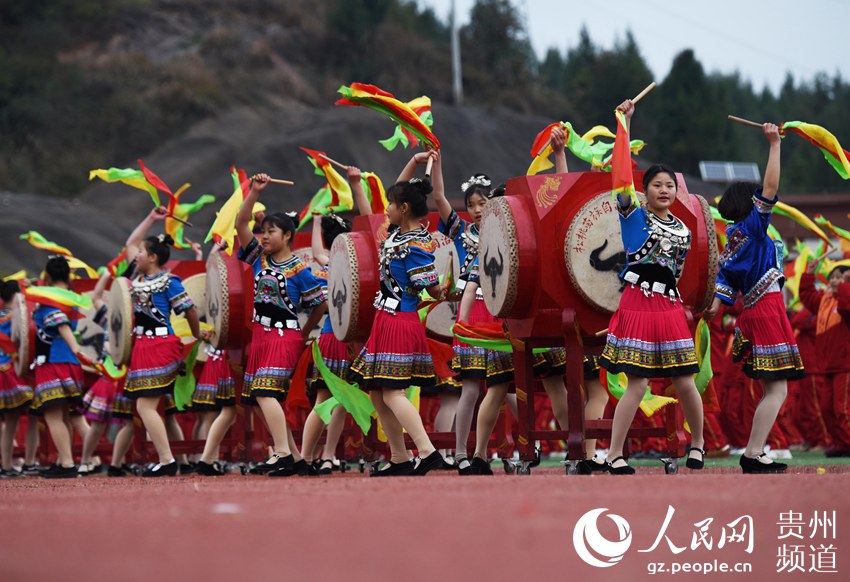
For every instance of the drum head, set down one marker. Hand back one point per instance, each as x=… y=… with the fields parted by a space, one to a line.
x=713 y=255
x=594 y=253
x=22 y=334
x=90 y=335
x=344 y=288
x=498 y=257
x=306 y=256
x=196 y=287
x=120 y=321
x=217 y=299
x=442 y=318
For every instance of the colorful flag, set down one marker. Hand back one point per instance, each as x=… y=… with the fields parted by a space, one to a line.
x=223 y=229
x=842 y=235
x=118 y=265
x=372 y=97
x=822 y=139
x=341 y=196
x=374 y=189
x=622 y=180
x=787 y=211
x=582 y=147
x=175 y=228
x=129 y=176
x=60 y=298
x=421 y=106
x=39 y=242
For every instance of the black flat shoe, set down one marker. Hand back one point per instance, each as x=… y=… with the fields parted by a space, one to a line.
x=325 y=466
x=755 y=466
x=591 y=466
x=273 y=463
x=396 y=469
x=464 y=467
x=692 y=463
x=60 y=472
x=624 y=470
x=305 y=469
x=209 y=469
x=113 y=471
x=289 y=469
x=432 y=461
x=188 y=468
x=481 y=467
x=160 y=470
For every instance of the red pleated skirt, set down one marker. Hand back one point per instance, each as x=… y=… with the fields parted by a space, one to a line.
x=648 y=336
x=396 y=355
x=764 y=341
x=336 y=357
x=154 y=365
x=57 y=384
x=274 y=355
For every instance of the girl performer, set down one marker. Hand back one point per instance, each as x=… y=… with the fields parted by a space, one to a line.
x=334 y=352
x=751 y=264
x=15 y=395
x=58 y=375
x=281 y=282
x=396 y=355
x=648 y=335
x=157 y=356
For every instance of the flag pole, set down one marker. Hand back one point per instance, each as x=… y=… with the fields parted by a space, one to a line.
x=744 y=121
x=334 y=162
x=643 y=93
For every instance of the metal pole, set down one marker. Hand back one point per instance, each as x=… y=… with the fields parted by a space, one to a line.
x=457 y=83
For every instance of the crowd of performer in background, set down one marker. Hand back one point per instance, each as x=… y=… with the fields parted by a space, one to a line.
x=781 y=375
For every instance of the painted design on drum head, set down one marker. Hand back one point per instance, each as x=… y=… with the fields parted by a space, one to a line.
x=594 y=253
x=338 y=299
x=498 y=249
x=217 y=297
x=344 y=287
x=547 y=193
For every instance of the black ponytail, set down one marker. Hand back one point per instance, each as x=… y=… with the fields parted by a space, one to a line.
x=58 y=269
x=160 y=246
x=414 y=193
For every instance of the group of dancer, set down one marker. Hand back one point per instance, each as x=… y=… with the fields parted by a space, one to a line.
x=648 y=335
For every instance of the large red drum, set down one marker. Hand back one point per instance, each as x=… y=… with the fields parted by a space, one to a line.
x=23 y=333
x=229 y=299
x=554 y=243
x=354 y=279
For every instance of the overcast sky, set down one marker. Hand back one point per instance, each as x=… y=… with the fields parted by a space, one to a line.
x=762 y=39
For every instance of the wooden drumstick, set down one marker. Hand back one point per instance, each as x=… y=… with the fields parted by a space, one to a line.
x=743 y=121
x=334 y=162
x=276 y=181
x=428 y=167
x=601 y=333
x=186 y=222
x=643 y=93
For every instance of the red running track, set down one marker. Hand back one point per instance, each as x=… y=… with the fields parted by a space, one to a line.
x=349 y=527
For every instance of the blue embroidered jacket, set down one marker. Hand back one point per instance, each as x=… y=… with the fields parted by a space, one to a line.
x=751 y=262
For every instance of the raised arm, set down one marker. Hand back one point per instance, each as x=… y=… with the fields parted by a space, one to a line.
x=138 y=235
x=97 y=294
x=444 y=207
x=243 y=218
x=354 y=181
x=320 y=254
x=558 y=141
x=410 y=169
x=771 y=173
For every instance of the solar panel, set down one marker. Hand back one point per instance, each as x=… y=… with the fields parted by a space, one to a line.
x=729 y=171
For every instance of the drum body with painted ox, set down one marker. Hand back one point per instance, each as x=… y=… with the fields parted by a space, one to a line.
x=553 y=243
x=354 y=279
